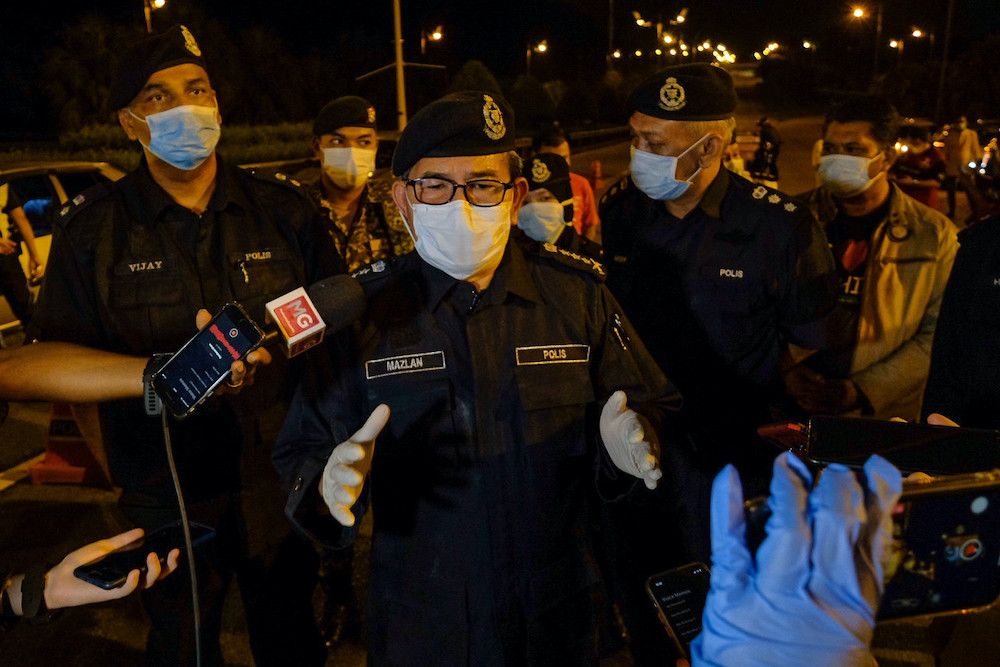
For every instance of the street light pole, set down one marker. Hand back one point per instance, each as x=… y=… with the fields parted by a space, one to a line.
x=878 y=42
x=400 y=83
x=944 y=62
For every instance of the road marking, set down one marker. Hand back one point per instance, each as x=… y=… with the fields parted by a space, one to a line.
x=11 y=477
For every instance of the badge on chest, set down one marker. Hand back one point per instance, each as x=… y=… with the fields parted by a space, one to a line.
x=405 y=363
x=569 y=353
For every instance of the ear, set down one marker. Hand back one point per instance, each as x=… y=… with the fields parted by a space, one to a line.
x=403 y=204
x=518 y=192
x=712 y=150
x=317 y=151
x=125 y=120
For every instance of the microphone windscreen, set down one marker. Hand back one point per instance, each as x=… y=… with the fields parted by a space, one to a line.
x=339 y=300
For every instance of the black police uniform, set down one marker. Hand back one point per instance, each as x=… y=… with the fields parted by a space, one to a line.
x=965 y=360
x=716 y=296
x=479 y=481
x=127 y=272
x=13 y=284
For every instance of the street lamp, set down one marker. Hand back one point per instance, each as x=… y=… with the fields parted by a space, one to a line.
x=148 y=7
x=435 y=36
x=540 y=47
x=859 y=13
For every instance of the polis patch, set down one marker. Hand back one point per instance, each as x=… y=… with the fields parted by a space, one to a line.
x=405 y=363
x=571 y=353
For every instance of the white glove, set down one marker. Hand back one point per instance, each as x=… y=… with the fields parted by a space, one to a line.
x=625 y=439
x=349 y=463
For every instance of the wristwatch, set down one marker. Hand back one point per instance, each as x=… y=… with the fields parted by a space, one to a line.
x=152 y=402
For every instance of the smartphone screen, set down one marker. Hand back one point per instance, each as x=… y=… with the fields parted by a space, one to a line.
x=679 y=597
x=203 y=363
x=111 y=570
x=945 y=554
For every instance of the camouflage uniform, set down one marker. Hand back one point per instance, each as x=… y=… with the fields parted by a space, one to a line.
x=377 y=231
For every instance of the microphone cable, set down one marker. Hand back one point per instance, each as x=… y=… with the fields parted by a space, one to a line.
x=188 y=545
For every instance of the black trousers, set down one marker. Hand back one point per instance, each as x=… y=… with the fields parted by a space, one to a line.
x=276 y=586
x=14 y=286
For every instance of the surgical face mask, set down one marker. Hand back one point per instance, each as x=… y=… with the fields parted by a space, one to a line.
x=846 y=175
x=348 y=167
x=183 y=136
x=656 y=175
x=542 y=220
x=459 y=238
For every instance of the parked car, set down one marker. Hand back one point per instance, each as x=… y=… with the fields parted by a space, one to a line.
x=43 y=189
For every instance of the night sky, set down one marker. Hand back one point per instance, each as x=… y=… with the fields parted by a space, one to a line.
x=358 y=35
x=497 y=32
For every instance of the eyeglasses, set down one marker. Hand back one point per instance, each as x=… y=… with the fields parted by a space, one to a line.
x=479 y=192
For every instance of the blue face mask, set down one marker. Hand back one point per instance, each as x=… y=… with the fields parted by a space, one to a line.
x=656 y=175
x=183 y=136
x=542 y=221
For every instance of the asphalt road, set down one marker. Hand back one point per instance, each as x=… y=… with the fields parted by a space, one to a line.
x=44 y=522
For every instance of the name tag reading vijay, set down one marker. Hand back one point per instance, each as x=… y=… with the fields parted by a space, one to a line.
x=406 y=363
x=571 y=353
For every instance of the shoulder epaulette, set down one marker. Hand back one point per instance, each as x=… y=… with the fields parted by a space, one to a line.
x=368 y=273
x=276 y=177
x=619 y=186
x=768 y=196
x=92 y=194
x=561 y=257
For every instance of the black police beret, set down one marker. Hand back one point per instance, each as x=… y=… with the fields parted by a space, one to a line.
x=349 y=111
x=686 y=92
x=148 y=56
x=464 y=123
x=549 y=171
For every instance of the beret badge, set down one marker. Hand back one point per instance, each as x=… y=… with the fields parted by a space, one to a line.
x=189 y=42
x=539 y=171
x=672 y=96
x=495 y=128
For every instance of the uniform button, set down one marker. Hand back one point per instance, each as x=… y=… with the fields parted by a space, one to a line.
x=298 y=484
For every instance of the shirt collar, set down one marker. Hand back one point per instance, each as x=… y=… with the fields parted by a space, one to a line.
x=513 y=275
x=149 y=200
x=711 y=201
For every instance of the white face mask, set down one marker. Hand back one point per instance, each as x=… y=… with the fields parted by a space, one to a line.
x=847 y=175
x=183 y=136
x=656 y=175
x=542 y=220
x=348 y=167
x=459 y=238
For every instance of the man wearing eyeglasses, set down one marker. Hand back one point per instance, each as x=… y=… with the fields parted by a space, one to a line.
x=485 y=370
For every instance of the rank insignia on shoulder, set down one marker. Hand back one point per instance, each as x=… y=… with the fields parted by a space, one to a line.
x=789 y=206
x=573 y=259
x=618 y=329
x=373 y=270
x=759 y=192
x=774 y=199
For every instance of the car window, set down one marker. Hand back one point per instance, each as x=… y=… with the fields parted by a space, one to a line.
x=77 y=182
x=36 y=196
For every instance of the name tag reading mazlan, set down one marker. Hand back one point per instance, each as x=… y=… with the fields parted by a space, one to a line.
x=406 y=363
x=571 y=353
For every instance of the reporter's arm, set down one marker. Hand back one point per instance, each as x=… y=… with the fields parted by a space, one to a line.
x=61 y=588
x=54 y=371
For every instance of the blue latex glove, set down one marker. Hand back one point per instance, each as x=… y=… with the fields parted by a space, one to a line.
x=812 y=594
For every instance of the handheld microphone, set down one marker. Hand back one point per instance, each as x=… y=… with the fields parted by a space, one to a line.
x=302 y=316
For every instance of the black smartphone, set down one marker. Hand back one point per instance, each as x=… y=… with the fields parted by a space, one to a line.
x=111 y=570
x=679 y=598
x=946 y=545
x=936 y=450
x=191 y=375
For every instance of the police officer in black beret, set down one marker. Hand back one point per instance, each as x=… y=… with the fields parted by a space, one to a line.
x=481 y=369
x=130 y=266
x=547 y=213
x=720 y=277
